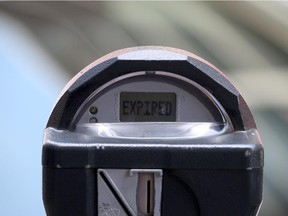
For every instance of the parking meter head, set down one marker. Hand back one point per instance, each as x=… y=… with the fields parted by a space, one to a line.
x=151 y=131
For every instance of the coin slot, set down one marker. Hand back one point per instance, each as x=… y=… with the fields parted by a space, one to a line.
x=148 y=196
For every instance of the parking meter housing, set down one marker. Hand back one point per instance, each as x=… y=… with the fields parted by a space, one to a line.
x=215 y=174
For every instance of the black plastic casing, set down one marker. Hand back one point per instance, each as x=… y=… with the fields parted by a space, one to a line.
x=219 y=175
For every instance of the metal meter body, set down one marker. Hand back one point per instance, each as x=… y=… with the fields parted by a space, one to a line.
x=151 y=131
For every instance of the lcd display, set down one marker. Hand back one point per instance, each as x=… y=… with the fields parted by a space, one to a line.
x=147 y=107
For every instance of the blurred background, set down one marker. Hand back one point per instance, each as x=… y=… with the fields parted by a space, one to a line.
x=44 y=44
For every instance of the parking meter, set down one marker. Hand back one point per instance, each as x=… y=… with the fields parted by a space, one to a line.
x=151 y=131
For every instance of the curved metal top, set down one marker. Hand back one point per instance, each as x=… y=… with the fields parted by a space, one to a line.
x=153 y=58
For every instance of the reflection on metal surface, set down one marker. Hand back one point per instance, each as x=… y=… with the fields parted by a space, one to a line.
x=155 y=130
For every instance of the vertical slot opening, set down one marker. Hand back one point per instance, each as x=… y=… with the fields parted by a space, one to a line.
x=148 y=196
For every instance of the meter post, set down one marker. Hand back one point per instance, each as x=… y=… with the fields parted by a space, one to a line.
x=151 y=131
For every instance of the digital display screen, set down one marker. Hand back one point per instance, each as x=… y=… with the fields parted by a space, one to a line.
x=147 y=107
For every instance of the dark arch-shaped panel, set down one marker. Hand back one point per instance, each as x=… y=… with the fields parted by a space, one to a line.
x=130 y=60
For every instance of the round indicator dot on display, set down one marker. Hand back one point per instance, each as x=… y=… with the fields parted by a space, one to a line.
x=93 y=110
x=93 y=120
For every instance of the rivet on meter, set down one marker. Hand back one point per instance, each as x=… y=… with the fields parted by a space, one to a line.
x=93 y=110
x=93 y=120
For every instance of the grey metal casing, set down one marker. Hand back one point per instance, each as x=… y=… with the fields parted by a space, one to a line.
x=233 y=161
